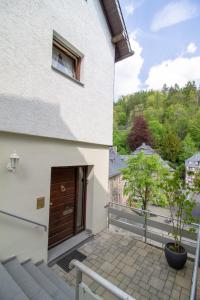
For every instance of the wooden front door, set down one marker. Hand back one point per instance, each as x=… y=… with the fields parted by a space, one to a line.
x=62 y=204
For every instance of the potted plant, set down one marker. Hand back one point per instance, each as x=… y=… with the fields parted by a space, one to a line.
x=180 y=206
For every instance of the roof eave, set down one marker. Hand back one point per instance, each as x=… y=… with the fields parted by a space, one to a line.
x=116 y=24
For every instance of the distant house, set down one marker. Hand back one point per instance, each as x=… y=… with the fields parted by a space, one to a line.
x=192 y=165
x=118 y=162
x=145 y=148
x=116 y=183
x=150 y=151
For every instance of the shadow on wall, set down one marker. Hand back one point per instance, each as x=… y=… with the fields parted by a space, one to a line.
x=33 y=176
x=32 y=116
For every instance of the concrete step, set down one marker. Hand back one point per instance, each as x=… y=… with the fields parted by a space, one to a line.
x=9 y=290
x=25 y=281
x=44 y=282
x=56 y=280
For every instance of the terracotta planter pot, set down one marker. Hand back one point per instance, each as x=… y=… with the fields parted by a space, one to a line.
x=174 y=259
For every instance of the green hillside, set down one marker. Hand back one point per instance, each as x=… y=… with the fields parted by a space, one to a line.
x=172 y=116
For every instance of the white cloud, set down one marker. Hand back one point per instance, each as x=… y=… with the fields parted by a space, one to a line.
x=173 y=13
x=191 y=48
x=129 y=9
x=127 y=71
x=179 y=70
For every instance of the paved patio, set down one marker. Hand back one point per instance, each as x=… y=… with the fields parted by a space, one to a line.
x=139 y=269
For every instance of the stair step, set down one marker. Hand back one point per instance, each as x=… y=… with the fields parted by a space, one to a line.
x=56 y=280
x=45 y=282
x=9 y=290
x=25 y=281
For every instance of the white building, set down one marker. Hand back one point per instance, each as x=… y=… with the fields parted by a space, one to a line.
x=116 y=182
x=192 y=165
x=56 y=97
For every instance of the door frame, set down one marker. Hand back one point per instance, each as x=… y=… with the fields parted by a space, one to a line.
x=84 y=194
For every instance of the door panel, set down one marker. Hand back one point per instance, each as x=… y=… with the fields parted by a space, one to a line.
x=62 y=204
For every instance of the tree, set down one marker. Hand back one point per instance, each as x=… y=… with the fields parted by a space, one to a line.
x=157 y=130
x=180 y=206
x=171 y=146
x=196 y=182
x=143 y=178
x=119 y=140
x=139 y=133
x=188 y=148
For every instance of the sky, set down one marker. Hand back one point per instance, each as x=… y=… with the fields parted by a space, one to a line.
x=165 y=36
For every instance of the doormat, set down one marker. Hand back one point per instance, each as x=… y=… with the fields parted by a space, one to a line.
x=64 y=262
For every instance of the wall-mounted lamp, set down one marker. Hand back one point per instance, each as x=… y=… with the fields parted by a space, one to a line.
x=14 y=159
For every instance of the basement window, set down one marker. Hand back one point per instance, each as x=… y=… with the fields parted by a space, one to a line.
x=65 y=60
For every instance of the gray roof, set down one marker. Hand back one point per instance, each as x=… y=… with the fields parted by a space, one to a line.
x=116 y=163
x=194 y=158
x=149 y=151
x=145 y=148
x=125 y=157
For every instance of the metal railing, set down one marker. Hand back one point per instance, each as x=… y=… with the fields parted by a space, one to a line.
x=193 y=294
x=114 y=290
x=23 y=219
x=152 y=229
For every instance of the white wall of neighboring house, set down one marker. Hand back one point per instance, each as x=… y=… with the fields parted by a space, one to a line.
x=48 y=119
x=191 y=170
x=19 y=191
x=116 y=190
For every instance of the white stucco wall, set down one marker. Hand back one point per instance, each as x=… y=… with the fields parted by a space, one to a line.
x=18 y=191
x=35 y=99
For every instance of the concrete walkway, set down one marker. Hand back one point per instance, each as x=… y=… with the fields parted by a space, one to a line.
x=139 y=269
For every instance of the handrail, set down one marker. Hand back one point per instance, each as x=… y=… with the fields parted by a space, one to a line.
x=23 y=219
x=195 y=269
x=81 y=268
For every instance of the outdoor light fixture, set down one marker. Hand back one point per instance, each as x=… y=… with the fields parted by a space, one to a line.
x=12 y=165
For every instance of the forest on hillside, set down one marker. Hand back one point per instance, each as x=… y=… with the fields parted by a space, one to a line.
x=169 y=120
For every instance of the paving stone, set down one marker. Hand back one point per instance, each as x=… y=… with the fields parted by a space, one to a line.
x=143 y=285
x=120 y=276
x=100 y=290
x=153 y=291
x=107 y=267
x=122 y=286
x=185 y=291
x=184 y=297
x=175 y=294
x=145 y=278
x=183 y=282
x=167 y=291
x=108 y=296
x=169 y=285
x=156 y=283
x=129 y=271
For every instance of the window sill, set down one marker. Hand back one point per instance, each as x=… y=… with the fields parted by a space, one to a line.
x=67 y=76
